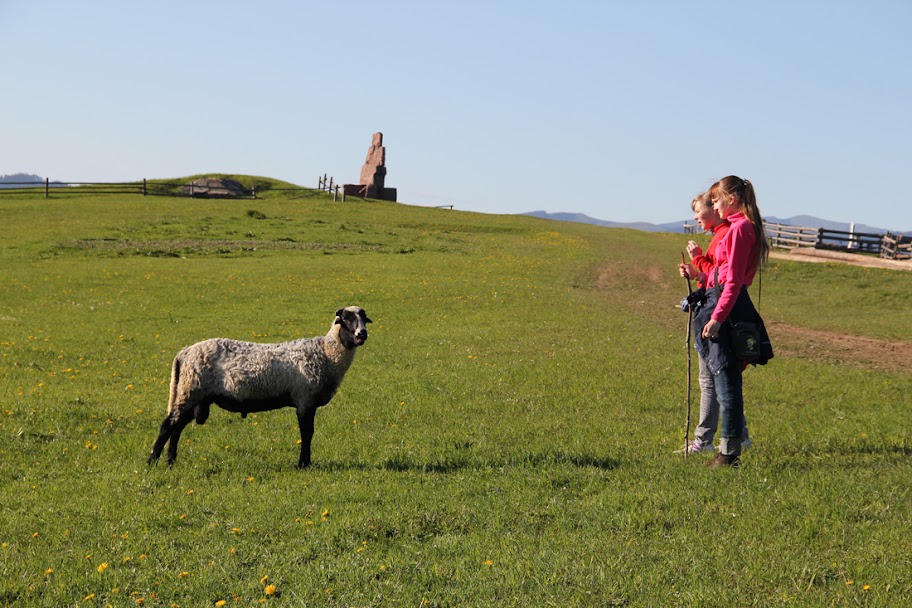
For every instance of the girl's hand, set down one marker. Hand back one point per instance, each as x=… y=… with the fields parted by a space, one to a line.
x=689 y=272
x=693 y=250
x=711 y=329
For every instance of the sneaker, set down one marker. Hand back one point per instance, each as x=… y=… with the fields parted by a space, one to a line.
x=723 y=460
x=695 y=447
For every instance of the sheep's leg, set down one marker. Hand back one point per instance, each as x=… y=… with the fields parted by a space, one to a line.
x=306 y=424
x=164 y=433
x=177 y=427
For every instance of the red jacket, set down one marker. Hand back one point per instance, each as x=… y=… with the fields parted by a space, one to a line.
x=706 y=261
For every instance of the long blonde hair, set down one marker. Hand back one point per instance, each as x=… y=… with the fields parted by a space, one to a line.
x=747 y=204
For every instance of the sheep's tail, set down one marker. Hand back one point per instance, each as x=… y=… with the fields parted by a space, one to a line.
x=175 y=380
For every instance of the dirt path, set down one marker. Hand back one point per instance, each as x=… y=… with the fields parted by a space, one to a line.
x=845 y=349
x=806 y=254
x=857 y=351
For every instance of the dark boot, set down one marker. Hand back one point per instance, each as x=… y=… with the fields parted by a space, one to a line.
x=724 y=460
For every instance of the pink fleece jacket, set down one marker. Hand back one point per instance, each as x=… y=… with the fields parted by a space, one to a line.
x=736 y=263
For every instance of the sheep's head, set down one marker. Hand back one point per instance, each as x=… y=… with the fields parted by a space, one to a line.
x=353 y=321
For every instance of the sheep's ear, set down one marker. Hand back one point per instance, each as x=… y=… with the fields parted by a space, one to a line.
x=338 y=320
x=364 y=316
x=339 y=312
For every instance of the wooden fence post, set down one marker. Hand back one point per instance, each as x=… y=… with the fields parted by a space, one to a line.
x=47 y=187
x=144 y=186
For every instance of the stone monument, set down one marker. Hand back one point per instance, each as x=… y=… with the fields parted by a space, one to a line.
x=373 y=174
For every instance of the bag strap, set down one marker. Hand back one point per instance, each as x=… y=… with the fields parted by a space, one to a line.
x=760 y=289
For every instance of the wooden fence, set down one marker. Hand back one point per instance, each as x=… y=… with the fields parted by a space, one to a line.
x=328 y=186
x=896 y=247
x=887 y=245
x=144 y=188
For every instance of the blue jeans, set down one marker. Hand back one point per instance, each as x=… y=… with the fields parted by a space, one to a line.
x=709 y=408
x=731 y=408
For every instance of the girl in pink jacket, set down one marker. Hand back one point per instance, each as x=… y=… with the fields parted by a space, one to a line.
x=738 y=257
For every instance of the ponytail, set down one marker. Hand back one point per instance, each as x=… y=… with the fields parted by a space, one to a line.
x=747 y=203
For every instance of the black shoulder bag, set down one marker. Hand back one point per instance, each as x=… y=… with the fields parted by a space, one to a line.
x=744 y=336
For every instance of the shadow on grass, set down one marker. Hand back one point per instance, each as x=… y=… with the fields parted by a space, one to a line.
x=846 y=456
x=446 y=465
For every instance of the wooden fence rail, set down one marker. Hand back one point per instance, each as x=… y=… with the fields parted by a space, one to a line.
x=325 y=186
x=889 y=245
x=886 y=245
x=896 y=247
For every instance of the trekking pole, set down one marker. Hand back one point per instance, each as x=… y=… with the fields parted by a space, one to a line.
x=690 y=316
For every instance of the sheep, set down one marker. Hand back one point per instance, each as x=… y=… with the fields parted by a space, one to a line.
x=246 y=377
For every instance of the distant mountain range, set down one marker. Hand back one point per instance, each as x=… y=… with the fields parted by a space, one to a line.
x=807 y=221
x=6 y=180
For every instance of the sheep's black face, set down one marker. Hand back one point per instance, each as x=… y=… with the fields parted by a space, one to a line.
x=354 y=321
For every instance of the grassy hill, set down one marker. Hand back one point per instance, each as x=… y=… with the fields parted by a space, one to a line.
x=504 y=438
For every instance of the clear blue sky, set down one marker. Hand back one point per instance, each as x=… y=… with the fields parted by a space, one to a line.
x=620 y=110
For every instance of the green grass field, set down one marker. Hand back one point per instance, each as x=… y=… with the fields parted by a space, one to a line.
x=504 y=438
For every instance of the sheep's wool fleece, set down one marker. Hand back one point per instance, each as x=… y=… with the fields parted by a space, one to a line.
x=249 y=370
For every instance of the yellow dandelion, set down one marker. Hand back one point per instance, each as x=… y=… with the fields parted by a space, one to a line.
x=49 y=572
x=232 y=551
x=264 y=579
x=88 y=597
x=221 y=603
x=34 y=535
x=189 y=492
x=236 y=530
x=269 y=590
x=183 y=574
x=249 y=479
x=867 y=587
x=102 y=566
x=850 y=582
x=326 y=513
x=489 y=562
